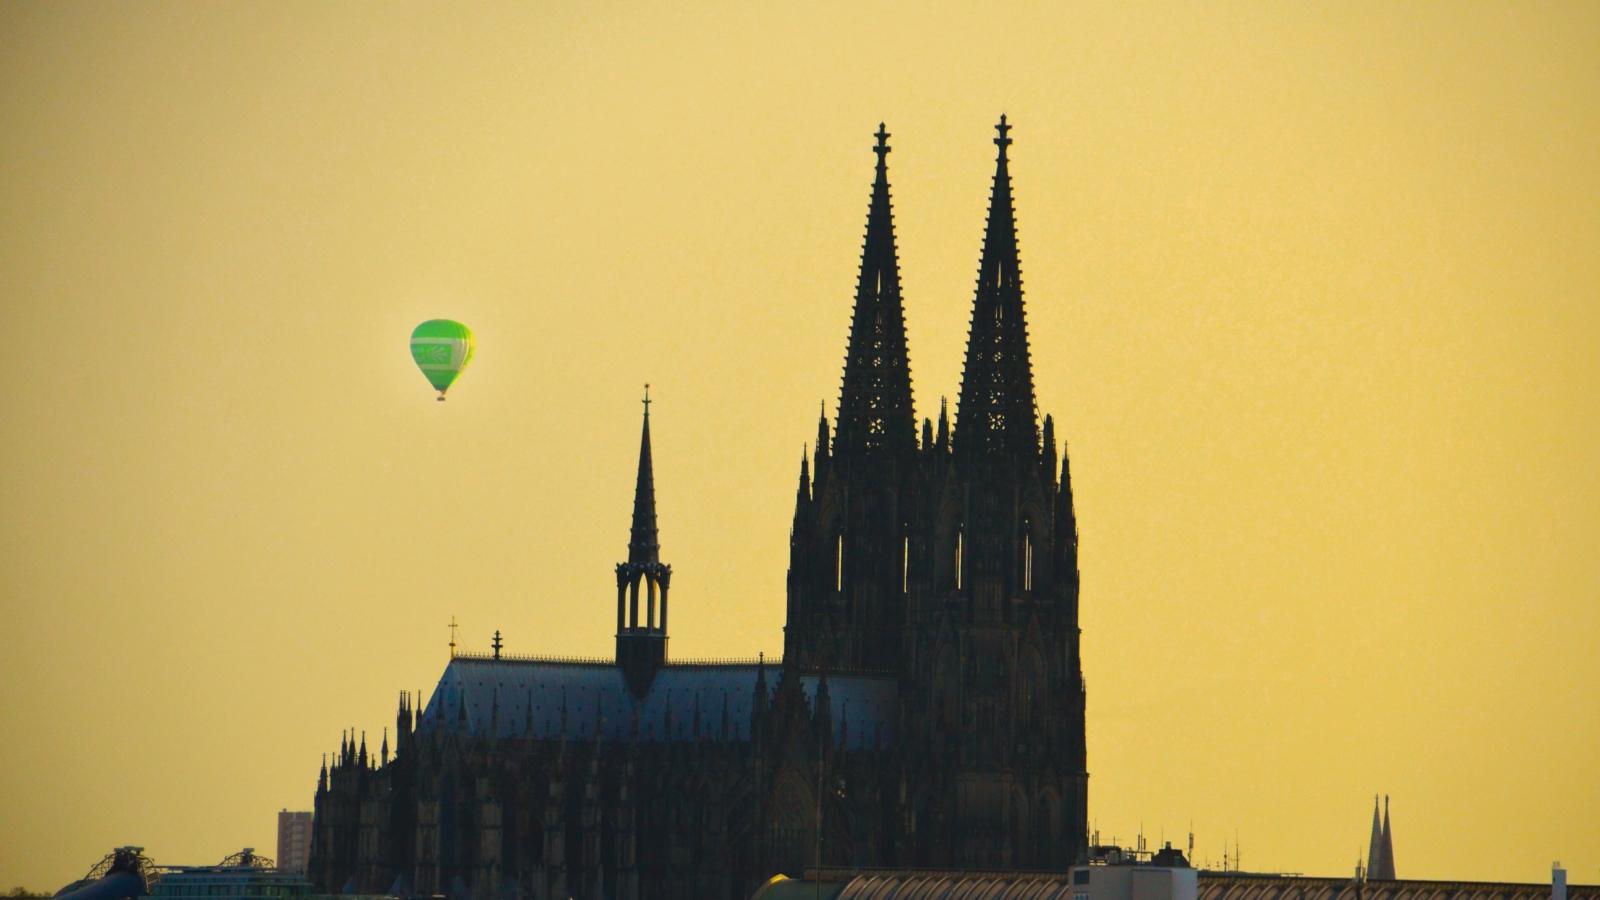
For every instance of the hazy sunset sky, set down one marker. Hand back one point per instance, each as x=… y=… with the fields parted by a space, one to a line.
x=1314 y=297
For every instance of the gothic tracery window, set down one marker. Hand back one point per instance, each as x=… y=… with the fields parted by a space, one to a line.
x=960 y=540
x=838 y=563
x=905 y=564
x=1027 y=557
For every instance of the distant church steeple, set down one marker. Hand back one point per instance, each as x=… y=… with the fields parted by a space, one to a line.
x=1380 y=853
x=642 y=642
x=996 y=414
x=642 y=538
x=875 y=413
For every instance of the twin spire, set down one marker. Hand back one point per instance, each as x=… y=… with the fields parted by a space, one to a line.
x=996 y=416
x=875 y=399
x=1380 y=852
x=997 y=413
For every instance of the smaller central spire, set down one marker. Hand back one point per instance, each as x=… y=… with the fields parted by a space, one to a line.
x=642 y=543
x=642 y=581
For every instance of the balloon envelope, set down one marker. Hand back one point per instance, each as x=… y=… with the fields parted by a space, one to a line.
x=441 y=349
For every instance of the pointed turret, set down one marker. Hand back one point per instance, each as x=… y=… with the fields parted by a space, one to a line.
x=943 y=440
x=803 y=493
x=642 y=634
x=820 y=448
x=1375 y=843
x=1047 y=455
x=996 y=415
x=1066 y=512
x=758 y=702
x=875 y=413
x=404 y=723
x=642 y=541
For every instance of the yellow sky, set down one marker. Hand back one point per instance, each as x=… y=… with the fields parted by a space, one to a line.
x=1314 y=295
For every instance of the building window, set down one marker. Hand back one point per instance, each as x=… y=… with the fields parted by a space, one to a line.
x=959 y=541
x=905 y=564
x=838 y=563
x=1027 y=561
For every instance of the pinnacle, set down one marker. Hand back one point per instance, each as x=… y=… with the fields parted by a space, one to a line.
x=642 y=543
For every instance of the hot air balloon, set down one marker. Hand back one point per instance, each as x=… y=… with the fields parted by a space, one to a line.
x=441 y=348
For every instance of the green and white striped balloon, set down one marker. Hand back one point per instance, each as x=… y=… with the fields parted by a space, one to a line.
x=441 y=348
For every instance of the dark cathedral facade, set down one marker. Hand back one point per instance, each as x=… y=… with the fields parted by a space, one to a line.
x=928 y=711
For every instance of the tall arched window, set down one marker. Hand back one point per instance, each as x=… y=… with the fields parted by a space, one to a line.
x=959 y=548
x=905 y=564
x=838 y=563
x=1027 y=558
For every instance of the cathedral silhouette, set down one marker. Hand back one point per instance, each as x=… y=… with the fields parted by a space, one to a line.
x=928 y=711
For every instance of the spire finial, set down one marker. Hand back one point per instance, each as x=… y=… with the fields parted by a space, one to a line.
x=497 y=643
x=1003 y=141
x=647 y=399
x=882 y=148
x=453 y=627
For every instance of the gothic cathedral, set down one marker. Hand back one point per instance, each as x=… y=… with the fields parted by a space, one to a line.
x=928 y=711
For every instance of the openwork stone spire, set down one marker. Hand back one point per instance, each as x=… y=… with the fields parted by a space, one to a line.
x=996 y=416
x=642 y=543
x=875 y=400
